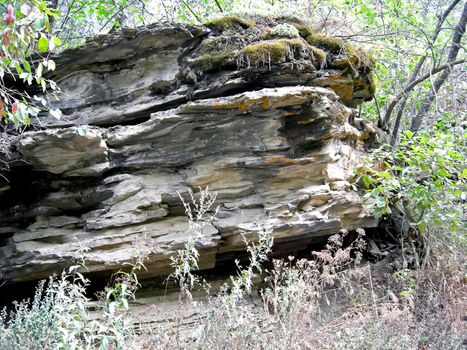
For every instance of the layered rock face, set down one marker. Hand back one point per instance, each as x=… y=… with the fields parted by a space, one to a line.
x=259 y=112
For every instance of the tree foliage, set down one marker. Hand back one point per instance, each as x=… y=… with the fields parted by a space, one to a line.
x=424 y=177
x=25 y=39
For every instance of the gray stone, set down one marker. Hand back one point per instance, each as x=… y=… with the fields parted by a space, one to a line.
x=143 y=124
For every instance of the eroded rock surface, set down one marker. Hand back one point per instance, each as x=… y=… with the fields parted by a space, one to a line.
x=264 y=121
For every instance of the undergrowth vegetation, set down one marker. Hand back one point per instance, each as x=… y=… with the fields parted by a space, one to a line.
x=334 y=299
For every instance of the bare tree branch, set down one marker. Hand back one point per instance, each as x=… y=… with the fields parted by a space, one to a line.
x=434 y=71
x=418 y=66
x=452 y=55
x=189 y=8
x=219 y=6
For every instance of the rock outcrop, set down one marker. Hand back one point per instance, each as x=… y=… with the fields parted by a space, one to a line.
x=259 y=112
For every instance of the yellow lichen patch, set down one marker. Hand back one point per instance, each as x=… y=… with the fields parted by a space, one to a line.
x=304 y=121
x=265 y=103
x=280 y=160
x=344 y=91
x=229 y=22
x=242 y=105
x=366 y=83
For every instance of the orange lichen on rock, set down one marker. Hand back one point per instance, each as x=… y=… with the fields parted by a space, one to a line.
x=280 y=160
x=265 y=103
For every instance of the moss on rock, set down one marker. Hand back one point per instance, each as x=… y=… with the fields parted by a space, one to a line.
x=366 y=59
x=229 y=22
x=285 y=30
x=318 y=54
x=273 y=51
x=214 y=61
x=328 y=43
x=325 y=42
x=303 y=30
x=371 y=83
x=288 y=45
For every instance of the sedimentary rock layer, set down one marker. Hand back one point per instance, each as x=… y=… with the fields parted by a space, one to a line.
x=149 y=114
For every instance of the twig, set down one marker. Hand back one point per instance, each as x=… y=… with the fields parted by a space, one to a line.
x=189 y=8
x=452 y=55
x=418 y=66
x=414 y=83
x=219 y=6
x=116 y=13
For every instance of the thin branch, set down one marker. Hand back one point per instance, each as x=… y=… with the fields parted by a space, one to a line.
x=419 y=64
x=219 y=6
x=189 y=8
x=120 y=11
x=441 y=68
x=452 y=55
x=68 y=14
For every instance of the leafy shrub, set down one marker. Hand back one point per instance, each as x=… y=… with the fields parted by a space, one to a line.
x=58 y=316
x=425 y=176
x=24 y=31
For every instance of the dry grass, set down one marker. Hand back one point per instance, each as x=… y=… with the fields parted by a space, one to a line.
x=335 y=301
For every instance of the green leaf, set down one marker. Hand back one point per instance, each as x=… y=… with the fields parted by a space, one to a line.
x=56 y=40
x=367 y=181
x=27 y=66
x=18 y=68
x=43 y=44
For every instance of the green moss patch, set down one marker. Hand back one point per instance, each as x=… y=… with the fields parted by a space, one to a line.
x=214 y=61
x=324 y=42
x=303 y=30
x=276 y=49
x=318 y=54
x=372 y=83
x=284 y=30
x=331 y=44
x=229 y=22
